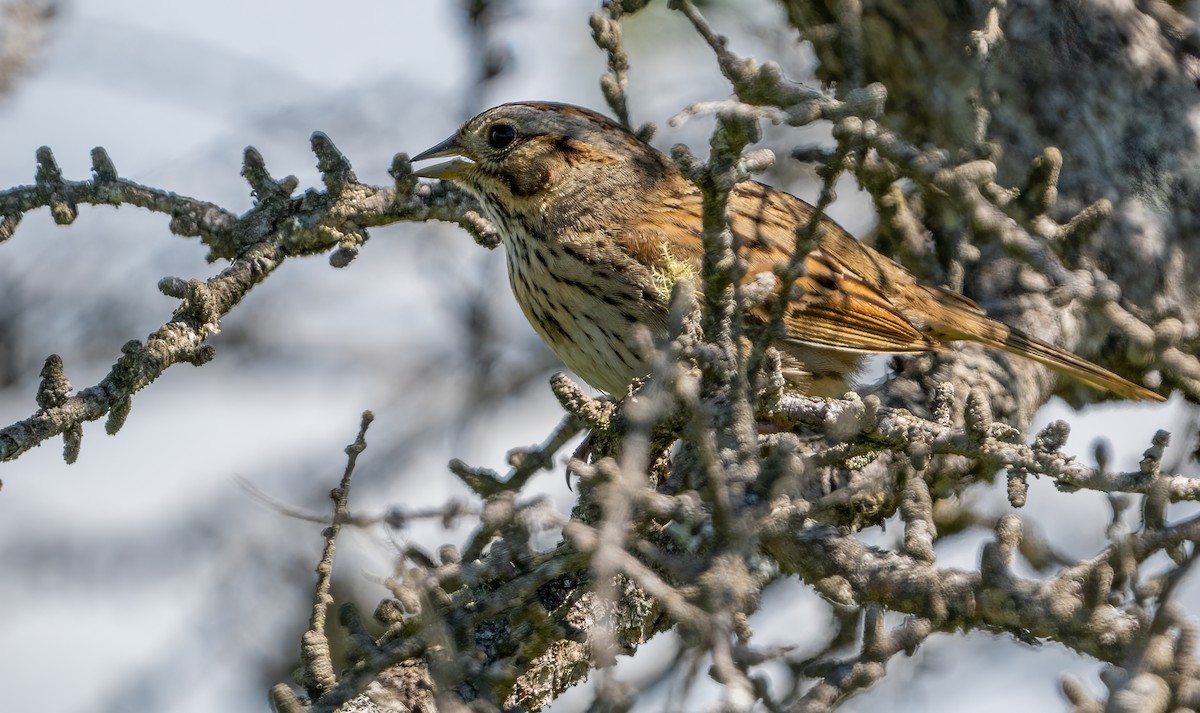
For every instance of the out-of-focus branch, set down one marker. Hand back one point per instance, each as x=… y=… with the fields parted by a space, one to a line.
x=606 y=32
x=490 y=55
x=21 y=36
x=842 y=679
x=525 y=462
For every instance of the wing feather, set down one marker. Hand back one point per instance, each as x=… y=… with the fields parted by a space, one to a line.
x=851 y=298
x=837 y=307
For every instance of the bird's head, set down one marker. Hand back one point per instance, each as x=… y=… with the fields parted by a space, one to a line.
x=540 y=152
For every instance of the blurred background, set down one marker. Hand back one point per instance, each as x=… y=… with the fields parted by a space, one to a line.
x=147 y=576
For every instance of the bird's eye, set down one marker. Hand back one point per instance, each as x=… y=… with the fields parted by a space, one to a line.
x=501 y=135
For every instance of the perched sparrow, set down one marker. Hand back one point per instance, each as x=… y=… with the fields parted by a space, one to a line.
x=597 y=225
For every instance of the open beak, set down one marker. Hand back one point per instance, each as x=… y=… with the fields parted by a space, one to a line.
x=448 y=170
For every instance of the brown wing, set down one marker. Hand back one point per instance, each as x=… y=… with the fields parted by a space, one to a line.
x=939 y=314
x=842 y=303
x=851 y=298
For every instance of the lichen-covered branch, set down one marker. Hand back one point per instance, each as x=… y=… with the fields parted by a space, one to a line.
x=279 y=226
x=319 y=675
x=864 y=427
x=690 y=544
x=737 y=509
x=1099 y=607
x=1016 y=222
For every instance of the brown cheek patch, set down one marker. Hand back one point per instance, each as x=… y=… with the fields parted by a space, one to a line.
x=574 y=152
x=526 y=178
x=551 y=155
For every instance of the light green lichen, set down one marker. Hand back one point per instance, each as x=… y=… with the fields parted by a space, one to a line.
x=669 y=271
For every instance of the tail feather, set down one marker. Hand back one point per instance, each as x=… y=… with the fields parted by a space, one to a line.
x=1074 y=366
x=978 y=328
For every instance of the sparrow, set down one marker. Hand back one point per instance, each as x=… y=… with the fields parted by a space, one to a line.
x=597 y=226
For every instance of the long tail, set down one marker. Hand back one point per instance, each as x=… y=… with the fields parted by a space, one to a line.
x=1074 y=366
x=957 y=323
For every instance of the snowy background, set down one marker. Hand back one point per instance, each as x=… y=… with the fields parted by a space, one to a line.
x=144 y=577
